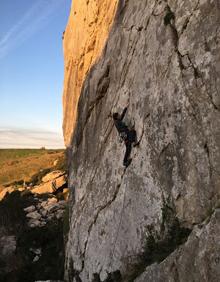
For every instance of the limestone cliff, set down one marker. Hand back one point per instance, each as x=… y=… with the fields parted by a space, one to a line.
x=158 y=219
x=83 y=41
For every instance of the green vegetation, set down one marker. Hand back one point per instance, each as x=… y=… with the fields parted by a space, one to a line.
x=157 y=251
x=37 y=177
x=160 y=246
x=30 y=166
x=60 y=165
x=15 y=154
x=167 y=214
x=18 y=165
x=169 y=16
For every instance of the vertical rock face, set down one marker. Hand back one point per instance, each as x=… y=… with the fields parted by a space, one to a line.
x=83 y=41
x=157 y=219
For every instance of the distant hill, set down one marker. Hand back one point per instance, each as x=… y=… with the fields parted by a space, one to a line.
x=18 y=165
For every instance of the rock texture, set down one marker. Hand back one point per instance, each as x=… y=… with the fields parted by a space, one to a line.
x=162 y=58
x=197 y=260
x=5 y=191
x=51 y=182
x=83 y=41
x=44 y=211
x=32 y=231
x=52 y=175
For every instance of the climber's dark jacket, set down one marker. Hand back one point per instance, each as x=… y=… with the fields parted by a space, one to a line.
x=119 y=124
x=127 y=135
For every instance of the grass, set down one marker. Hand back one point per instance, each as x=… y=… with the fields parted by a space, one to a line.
x=30 y=165
x=18 y=165
x=6 y=154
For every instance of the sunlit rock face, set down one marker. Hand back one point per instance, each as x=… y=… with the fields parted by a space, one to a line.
x=158 y=219
x=83 y=41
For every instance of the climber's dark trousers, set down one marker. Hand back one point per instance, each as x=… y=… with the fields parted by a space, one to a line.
x=131 y=138
x=127 y=153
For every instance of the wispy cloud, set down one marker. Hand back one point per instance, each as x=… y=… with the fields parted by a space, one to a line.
x=33 y=20
x=19 y=138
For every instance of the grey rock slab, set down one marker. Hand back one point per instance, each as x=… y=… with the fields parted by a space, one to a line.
x=36 y=251
x=162 y=60
x=43 y=212
x=53 y=175
x=52 y=201
x=33 y=215
x=62 y=203
x=52 y=208
x=44 y=203
x=34 y=223
x=30 y=209
x=197 y=260
x=59 y=214
x=36 y=258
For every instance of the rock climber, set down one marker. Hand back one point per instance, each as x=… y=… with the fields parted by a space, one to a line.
x=129 y=136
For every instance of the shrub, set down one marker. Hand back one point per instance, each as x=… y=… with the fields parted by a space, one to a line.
x=169 y=17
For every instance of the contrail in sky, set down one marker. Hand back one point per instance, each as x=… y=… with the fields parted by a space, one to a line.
x=32 y=21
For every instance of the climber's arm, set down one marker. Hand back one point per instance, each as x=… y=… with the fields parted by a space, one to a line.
x=123 y=113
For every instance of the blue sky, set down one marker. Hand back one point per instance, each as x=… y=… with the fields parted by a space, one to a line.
x=31 y=66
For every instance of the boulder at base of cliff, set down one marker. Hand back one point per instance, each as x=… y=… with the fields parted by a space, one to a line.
x=52 y=182
x=31 y=237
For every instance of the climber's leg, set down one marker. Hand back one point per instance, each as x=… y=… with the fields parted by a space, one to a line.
x=133 y=136
x=127 y=159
